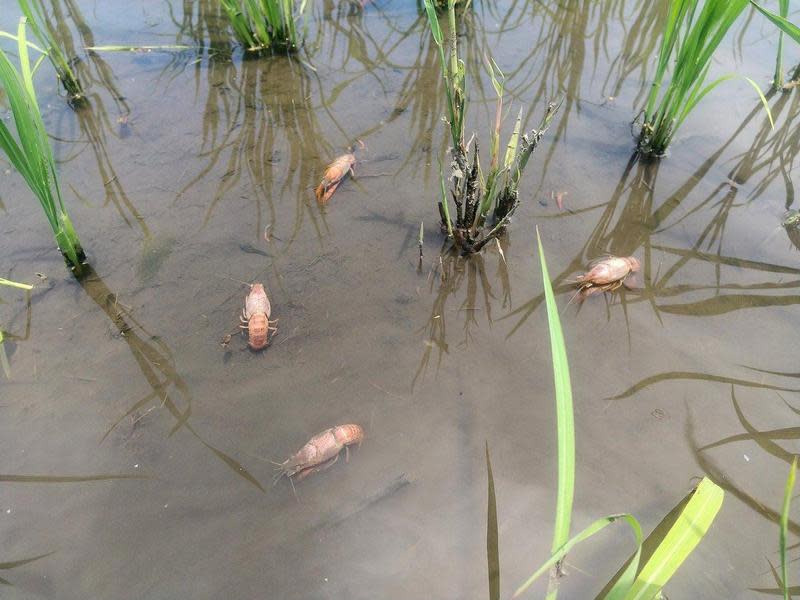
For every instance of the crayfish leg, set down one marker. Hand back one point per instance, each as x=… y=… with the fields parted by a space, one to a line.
x=321 y=467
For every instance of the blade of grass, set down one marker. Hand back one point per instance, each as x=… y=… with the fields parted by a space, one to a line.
x=786 y=26
x=443 y=204
x=492 y=537
x=695 y=98
x=787 y=501
x=596 y=527
x=15 y=284
x=681 y=540
x=564 y=415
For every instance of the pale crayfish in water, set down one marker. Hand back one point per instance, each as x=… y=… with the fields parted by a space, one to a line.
x=333 y=176
x=255 y=317
x=606 y=275
x=321 y=451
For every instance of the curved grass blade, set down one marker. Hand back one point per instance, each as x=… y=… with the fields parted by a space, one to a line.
x=786 y=26
x=584 y=535
x=695 y=99
x=565 y=418
x=787 y=500
x=492 y=537
x=649 y=545
x=681 y=540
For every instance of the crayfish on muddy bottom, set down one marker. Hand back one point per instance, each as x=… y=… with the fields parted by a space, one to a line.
x=321 y=451
x=606 y=275
x=255 y=317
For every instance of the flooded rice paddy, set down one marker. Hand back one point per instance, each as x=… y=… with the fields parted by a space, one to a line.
x=136 y=449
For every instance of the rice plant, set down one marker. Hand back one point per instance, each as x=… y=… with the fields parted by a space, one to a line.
x=30 y=152
x=474 y=193
x=662 y=556
x=34 y=11
x=691 y=37
x=265 y=24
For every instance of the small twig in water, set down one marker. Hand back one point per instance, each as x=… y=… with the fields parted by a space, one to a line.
x=420 y=241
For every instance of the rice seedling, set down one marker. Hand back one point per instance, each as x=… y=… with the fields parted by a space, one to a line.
x=695 y=514
x=691 y=37
x=475 y=194
x=44 y=34
x=30 y=152
x=265 y=24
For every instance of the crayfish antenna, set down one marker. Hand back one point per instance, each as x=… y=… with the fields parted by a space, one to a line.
x=575 y=295
x=277 y=477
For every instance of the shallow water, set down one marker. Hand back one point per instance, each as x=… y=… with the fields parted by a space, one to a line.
x=172 y=175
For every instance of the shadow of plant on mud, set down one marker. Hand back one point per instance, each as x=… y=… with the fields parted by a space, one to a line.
x=465 y=280
x=156 y=364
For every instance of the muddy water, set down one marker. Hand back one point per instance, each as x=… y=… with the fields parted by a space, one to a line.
x=135 y=449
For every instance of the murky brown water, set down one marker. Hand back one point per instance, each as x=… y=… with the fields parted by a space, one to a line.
x=172 y=175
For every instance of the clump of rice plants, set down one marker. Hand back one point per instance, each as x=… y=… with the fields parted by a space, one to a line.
x=30 y=152
x=475 y=194
x=44 y=34
x=691 y=37
x=265 y=24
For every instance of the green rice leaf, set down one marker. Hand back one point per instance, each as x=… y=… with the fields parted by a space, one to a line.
x=786 y=26
x=566 y=422
x=15 y=284
x=513 y=142
x=694 y=99
x=787 y=501
x=11 y=36
x=679 y=542
x=559 y=554
x=443 y=203
x=497 y=84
